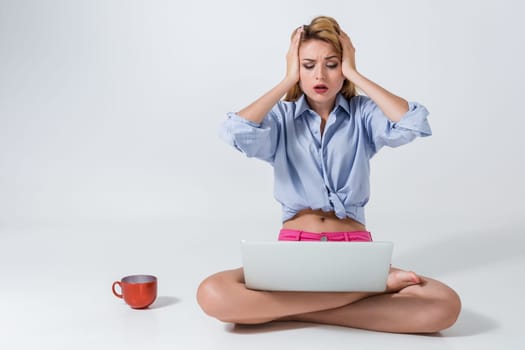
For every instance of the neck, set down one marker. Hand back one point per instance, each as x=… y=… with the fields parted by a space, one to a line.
x=323 y=108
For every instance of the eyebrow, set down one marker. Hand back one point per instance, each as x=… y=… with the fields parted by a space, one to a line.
x=326 y=58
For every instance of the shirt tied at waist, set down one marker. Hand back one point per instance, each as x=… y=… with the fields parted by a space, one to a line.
x=337 y=205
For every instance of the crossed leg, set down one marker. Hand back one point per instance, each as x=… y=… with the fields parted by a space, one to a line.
x=411 y=304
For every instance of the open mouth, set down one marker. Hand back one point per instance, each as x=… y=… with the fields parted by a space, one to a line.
x=321 y=88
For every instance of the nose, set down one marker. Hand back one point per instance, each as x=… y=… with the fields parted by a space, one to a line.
x=320 y=72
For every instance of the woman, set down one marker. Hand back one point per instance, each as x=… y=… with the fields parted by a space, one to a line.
x=319 y=142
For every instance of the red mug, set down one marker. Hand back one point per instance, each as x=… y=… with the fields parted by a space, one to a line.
x=138 y=291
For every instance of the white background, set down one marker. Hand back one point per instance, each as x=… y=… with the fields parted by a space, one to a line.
x=109 y=113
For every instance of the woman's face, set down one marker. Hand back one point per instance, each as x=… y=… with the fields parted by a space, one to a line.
x=321 y=76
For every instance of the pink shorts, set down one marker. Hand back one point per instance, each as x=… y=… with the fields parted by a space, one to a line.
x=296 y=235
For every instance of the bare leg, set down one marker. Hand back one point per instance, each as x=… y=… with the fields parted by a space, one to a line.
x=225 y=297
x=424 y=308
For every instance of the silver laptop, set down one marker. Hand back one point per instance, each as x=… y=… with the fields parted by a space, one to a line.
x=316 y=266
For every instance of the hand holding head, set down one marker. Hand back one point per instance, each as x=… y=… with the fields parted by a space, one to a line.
x=292 y=57
x=348 y=56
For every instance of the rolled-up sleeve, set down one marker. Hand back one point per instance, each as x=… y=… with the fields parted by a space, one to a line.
x=384 y=132
x=257 y=140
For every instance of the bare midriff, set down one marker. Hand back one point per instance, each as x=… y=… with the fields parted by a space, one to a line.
x=318 y=221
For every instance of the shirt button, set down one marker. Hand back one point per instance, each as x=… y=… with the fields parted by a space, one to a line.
x=324 y=238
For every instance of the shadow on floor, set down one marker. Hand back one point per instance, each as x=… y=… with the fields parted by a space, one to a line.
x=164 y=301
x=470 y=323
x=267 y=327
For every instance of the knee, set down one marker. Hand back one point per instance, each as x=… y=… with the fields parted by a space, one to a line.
x=212 y=297
x=209 y=297
x=442 y=313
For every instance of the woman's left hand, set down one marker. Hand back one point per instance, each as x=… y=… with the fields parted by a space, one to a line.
x=348 y=63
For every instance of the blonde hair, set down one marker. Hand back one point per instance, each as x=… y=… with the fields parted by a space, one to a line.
x=325 y=29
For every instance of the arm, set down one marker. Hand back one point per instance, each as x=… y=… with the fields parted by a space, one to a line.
x=257 y=110
x=394 y=107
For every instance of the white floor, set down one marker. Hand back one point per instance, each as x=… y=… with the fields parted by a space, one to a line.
x=55 y=291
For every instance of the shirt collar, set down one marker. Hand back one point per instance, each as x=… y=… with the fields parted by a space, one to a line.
x=301 y=105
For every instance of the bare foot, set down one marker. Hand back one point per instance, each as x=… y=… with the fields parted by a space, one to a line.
x=399 y=279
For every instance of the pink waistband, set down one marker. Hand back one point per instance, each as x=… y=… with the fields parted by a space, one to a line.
x=297 y=235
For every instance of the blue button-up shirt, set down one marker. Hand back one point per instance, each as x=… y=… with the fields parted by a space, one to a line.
x=331 y=171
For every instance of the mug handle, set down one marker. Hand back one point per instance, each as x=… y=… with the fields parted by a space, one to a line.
x=118 y=295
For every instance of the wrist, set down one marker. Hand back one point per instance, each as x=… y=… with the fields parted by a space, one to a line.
x=289 y=82
x=352 y=75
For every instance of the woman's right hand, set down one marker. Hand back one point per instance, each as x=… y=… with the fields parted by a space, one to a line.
x=292 y=57
x=258 y=109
